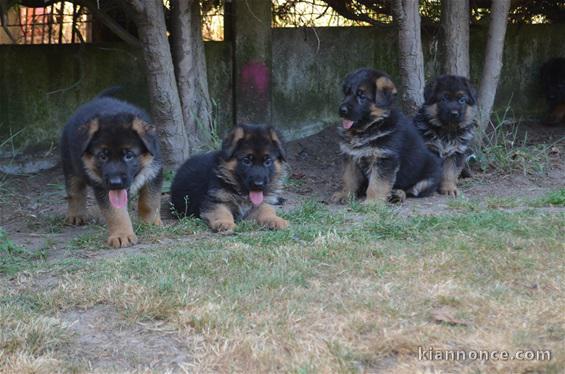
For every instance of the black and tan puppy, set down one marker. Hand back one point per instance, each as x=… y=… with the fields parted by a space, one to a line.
x=240 y=181
x=111 y=146
x=385 y=157
x=553 y=81
x=447 y=120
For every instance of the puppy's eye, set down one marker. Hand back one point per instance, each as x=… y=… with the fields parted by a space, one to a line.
x=247 y=161
x=267 y=162
x=361 y=95
x=444 y=98
x=129 y=155
x=462 y=100
x=102 y=156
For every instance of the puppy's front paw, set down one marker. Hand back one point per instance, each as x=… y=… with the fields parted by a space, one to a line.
x=156 y=220
x=397 y=197
x=122 y=239
x=340 y=197
x=449 y=189
x=223 y=226
x=275 y=223
x=75 y=219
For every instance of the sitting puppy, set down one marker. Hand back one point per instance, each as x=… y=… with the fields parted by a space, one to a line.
x=240 y=181
x=385 y=157
x=111 y=146
x=553 y=81
x=447 y=120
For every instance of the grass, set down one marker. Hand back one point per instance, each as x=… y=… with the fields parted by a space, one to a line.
x=506 y=151
x=554 y=199
x=14 y=258
x=353 y=289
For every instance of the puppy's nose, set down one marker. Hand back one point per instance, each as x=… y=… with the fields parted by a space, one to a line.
x=259 y=184
x=455 y=114
x=343 y=110
x=116 y=182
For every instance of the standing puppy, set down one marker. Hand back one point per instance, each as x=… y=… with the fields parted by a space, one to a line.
x=447 y=121
x=240 y=181
x=111 y=146
x=385 y=157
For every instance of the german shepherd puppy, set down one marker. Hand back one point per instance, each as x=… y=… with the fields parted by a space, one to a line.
x=447 y=120
x=111 y=146
x=240 y=181
x=385 y=157
x=553 y=81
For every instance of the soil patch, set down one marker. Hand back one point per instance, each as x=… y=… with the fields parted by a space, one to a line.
x=105 y=342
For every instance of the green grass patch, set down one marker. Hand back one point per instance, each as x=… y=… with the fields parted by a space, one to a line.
x=554 y=198
x=14 y=258
x=506 y=151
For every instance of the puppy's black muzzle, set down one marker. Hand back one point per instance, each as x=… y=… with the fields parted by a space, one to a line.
x=116 y=182
x=344 y=110
x=257 y=180
x=257 y=185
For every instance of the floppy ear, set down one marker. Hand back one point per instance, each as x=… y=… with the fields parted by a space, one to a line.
x=385 y=90
x=471 y=90
x=429 y=92
x=278 y=142
x=86 y=133
x=147 y=134
x=231 y=141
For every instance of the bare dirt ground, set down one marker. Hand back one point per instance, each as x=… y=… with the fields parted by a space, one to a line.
x=107 y=343
x=33 y=208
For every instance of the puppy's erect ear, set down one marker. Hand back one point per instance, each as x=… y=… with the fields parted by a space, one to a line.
x=147 y=134
x=385 y=91
x=231 y=141
x=86 y=133
x=429 y=92
x=278 y=142
x=471 y=90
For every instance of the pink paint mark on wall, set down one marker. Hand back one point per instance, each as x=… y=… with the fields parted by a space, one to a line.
x=255 y=77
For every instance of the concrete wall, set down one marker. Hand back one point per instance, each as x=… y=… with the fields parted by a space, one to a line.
x=40 y=86
x=309 y=65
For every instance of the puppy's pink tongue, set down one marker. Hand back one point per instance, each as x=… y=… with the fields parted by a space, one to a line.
x=256 y=197
x=346 y=123
x=118 y=198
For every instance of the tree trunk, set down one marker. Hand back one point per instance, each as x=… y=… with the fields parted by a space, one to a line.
x=163 y=93
x=411 y=58
x=190 y=69
x=493 y=59
x=455 y=26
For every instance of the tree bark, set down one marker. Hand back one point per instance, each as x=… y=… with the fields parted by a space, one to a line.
x=455 y=26
x=493 y=59
x=190 y=69
x=411 y=58
x=163 y=93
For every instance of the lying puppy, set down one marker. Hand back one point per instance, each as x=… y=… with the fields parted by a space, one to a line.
x=447 y=120
x=111 y=146
x=238 y=182
x=553 y=81
x=385 y=157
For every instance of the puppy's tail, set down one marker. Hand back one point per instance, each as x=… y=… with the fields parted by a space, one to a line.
x=110 y=91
